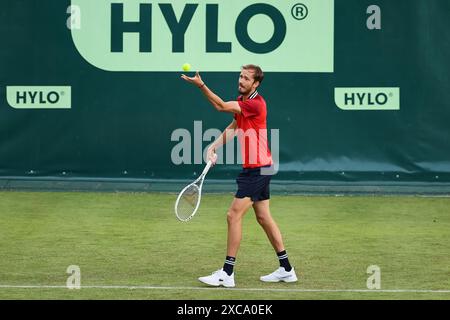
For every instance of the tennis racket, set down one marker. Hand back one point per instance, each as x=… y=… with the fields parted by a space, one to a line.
x=189 y=198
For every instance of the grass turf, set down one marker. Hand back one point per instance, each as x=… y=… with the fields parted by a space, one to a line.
x=125 y=239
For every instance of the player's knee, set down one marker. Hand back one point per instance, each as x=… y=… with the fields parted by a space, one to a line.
x=233 y=215
x=262 y=220
x=265 y=219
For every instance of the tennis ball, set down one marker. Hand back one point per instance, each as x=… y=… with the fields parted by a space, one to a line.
x=186 y=67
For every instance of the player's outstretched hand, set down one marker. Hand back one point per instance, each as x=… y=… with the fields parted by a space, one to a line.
x=196 y=80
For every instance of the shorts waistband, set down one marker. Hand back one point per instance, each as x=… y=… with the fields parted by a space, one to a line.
x=256 y=169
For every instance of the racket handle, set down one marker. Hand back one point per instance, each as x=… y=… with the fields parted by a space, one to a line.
x=208 y=166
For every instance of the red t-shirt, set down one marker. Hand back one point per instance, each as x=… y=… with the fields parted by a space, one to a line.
x=252 y=131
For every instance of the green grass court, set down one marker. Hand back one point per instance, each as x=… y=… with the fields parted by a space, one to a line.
x=134 y=239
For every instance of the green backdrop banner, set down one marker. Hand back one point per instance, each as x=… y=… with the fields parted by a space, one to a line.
x=357 y=90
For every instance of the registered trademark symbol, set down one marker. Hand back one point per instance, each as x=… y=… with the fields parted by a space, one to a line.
x=299 y=11
x=61 y=93
x=391 y=94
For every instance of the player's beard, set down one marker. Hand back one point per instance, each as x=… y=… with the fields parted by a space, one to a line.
x=243 y=91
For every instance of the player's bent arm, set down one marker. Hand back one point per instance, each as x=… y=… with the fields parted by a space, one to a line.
x=231 y=106
x=218 y=103
x=215 y=100
x=227 y=135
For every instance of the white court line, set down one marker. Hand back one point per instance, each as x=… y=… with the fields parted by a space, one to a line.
x=228 y=289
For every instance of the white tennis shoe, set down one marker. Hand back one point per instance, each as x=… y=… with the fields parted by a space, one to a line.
x=219 y=278
x=280 y=275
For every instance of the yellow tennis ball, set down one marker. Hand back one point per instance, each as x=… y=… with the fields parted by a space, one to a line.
x=186 y=67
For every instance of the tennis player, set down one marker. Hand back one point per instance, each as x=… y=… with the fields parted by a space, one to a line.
x=250 y=113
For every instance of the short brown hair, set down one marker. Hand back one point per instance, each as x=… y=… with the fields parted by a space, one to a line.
x=258 y=73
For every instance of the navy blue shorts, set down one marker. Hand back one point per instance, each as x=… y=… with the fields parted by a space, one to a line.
x=253 y=185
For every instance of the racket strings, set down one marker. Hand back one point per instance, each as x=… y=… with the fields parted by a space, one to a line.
x=188 y=202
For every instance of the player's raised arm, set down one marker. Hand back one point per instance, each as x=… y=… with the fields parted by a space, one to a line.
x=215 y=100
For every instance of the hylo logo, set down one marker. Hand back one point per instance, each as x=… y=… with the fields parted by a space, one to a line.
x=179 y=26
x=367 y=98
x=33 y=97
x=144 y=35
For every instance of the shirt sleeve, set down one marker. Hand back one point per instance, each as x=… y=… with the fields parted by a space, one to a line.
x=250 y=108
